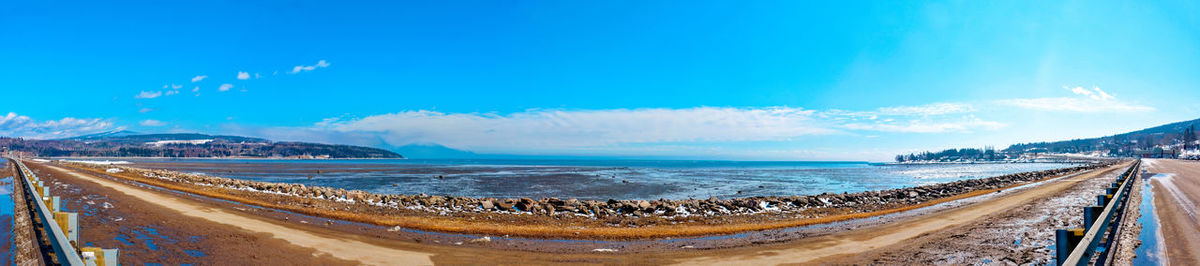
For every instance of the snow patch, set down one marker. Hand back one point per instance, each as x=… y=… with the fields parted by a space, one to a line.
x=166 y=142
x=105 y=162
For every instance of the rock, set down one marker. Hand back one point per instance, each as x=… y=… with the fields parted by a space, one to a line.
x=505 y=206
x=487 y=205
x=642 y=204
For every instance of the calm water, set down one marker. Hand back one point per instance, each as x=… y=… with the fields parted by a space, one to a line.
x=592 y=179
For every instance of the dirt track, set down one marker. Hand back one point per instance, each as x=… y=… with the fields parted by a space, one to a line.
x=1176 y=195
x=317 y=245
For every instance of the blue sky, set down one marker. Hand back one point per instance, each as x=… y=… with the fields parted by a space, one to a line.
x=762 y=80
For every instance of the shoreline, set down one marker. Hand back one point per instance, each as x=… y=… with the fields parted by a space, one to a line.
x=574 y=219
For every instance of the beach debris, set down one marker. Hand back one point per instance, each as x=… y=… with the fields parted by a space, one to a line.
x=481 y=240
x=604 y=250
x=114 y=170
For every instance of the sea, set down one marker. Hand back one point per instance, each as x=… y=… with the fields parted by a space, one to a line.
x=592 y=179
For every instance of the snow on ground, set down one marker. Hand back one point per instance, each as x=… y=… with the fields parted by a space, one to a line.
x=105 y=162
x=166 y=142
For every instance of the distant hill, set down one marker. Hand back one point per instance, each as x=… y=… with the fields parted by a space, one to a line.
x=1173 y=134
x=130 y=144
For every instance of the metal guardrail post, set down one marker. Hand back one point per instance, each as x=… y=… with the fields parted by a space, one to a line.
x=1072 y=251
x=1066 y=240
x=62 y=246
x=63 y=227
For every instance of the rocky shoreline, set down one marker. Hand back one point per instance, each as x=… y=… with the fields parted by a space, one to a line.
x=859 y=202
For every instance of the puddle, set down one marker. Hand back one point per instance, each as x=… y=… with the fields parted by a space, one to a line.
x=147 y=235
x=124 y=239
x=1151 y=250
x=195 y=253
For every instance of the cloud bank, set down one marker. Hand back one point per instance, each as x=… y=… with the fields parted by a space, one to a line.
x=1085 y=101
x=637 y=131
x=15 y=125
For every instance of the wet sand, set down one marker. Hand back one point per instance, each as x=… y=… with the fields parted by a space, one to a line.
x=1176 y=195
x=786 y=244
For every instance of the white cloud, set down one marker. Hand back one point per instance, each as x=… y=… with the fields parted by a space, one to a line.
x=148 y=95
x=22 y=126
x=1095 y=93
x=243 y=75
x=171 y=92
x=964 y=124
x=152 y=123
x=320 y=64
x=1088 y=101
x=928 y=109
x=648 y=131
x=173 y=86
x=145 y=110
x=199 y=78
x=225 y=87
x=196 y=89
x=581 y=129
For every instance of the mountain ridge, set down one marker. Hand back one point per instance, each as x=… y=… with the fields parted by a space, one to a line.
x=191 y=145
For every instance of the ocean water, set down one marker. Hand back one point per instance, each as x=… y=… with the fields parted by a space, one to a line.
x=592 y=179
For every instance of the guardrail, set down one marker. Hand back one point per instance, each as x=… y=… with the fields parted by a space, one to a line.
x=61 y=227
x=1077 y=246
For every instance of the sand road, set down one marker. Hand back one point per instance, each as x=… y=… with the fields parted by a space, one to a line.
x=1176 y=187
x=340 y=247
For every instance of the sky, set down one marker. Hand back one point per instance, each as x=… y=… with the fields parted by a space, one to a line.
x=725 y=80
